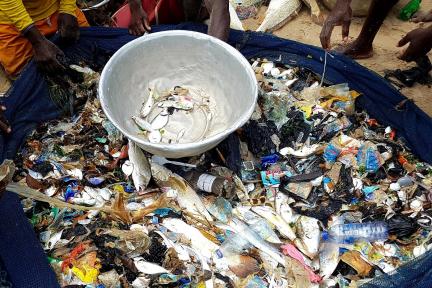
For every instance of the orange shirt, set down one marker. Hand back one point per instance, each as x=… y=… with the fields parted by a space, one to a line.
x=22 y=13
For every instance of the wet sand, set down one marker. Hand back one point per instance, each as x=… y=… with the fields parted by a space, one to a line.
x=302 y=29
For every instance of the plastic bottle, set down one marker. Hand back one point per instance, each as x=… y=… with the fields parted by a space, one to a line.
x=233 y=245
x=212 y=184
x=408 y=11
x=349 y=233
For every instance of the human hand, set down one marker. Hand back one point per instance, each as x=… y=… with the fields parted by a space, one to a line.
x=420 y=43
x=46 y=55
x=4 y=124
x=340 y=15
x=68 y=27
x=139 y=21
x=45 y=52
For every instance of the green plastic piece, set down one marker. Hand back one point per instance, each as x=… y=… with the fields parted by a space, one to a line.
x=409 y=10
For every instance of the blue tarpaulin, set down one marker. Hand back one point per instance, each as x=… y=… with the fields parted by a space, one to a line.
x=29 y=104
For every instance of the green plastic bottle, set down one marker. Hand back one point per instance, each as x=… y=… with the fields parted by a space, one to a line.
x=408 y=11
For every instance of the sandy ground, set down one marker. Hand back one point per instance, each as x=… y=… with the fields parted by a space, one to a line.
x=302 y=29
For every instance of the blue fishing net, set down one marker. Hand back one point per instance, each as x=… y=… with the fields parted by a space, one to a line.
x=414 y=274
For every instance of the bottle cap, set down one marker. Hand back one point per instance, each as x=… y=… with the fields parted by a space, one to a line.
x=325 y=236
x=219 y=254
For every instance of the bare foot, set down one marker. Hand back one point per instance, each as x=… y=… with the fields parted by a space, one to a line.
x=355 y=50
x=422 y=17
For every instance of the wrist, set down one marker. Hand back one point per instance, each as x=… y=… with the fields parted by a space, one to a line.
x=135 y=7
x=34 y=36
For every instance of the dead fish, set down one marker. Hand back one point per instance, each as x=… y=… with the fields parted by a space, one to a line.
x=308 y=232
x=148 y=105
x=219 y=207
x=281 y=225
x=147 y=267
x=283 y=209
x=247 y=233
x=198 y=241
x=142 y=124
x=269 y=264
x=279 y=12
x=141 y=173
x=257 y=223
x=328 y=259
x=187 y=198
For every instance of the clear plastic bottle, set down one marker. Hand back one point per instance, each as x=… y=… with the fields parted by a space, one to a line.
x=349 y=233
x=233 y=245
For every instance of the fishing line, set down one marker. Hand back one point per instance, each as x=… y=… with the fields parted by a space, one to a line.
x=324 y=69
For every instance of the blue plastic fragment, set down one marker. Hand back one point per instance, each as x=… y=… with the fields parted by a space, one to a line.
x=71 y=190
x=96 y=180
x=268 y=160
x=155 y=220
x=256 y=282
x=369 y=192
x=162 y=212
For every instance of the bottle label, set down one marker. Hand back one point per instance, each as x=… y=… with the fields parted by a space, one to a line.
x=205 y=182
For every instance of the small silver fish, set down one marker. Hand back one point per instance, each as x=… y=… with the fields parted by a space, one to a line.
x=328 y=259
x=281 y=225
x=308 y=232
x=142 y=124
x=198 y=241
x=187 y=198
x=148 y=105
x=247 y=233
x=257 y=223
x=141 y=173
x=283 y=209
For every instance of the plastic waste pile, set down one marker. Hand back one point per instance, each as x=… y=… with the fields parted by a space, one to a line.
x=309 y=193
